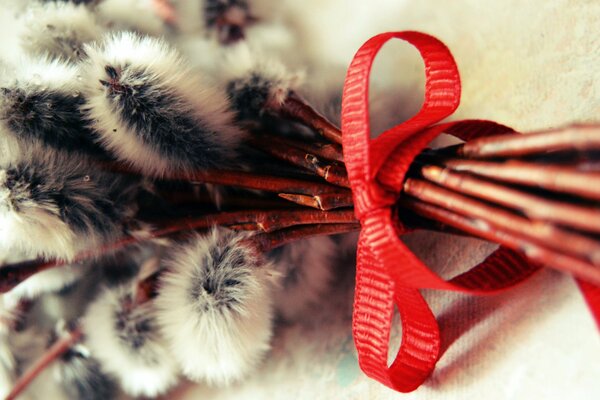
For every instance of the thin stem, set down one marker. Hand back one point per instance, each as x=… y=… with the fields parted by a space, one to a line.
x=559 y=179
x=536 y=207
x=13 y=274
x=281 y=150
x=537 y=231
x=267 y=183
x=60 y=347
x=327 y=201
x=272 y=220
x=266 y=221
x=272 y=240
x=296 y=108
x=242 y=179
x=534 y=251
x=329 y=151
x=579 y=137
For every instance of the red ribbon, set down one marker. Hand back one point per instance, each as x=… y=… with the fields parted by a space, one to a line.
x=388 y=273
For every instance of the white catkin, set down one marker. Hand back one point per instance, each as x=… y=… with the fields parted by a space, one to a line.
x=53 y=205
x=215 y=307
x=128 y=344
x=59 y=30
x=40 y=100
x=150 y=110
x=255 y=82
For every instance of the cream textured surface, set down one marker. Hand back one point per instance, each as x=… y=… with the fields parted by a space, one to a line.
x=529 y=64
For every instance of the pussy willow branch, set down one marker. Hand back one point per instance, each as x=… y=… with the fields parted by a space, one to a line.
x=326 y=150
x=533 y=250
x=272 y=220
x=536 y=207
x=313 y=194
x=61 y=346
x=558 y=179
x=260 y=220
x=236 y=201
x=282 y=149
x=272 y=240
x=538 y=231
x=297 y=109
x=318 y=195
x=580 y=137
x=249 y=180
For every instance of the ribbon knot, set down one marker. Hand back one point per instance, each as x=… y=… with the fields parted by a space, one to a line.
x=388 y=273
x=371 y=196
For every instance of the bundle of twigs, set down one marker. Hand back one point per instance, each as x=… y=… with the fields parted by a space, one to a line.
x=537 y=193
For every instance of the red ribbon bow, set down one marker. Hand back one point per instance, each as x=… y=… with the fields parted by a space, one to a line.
x=388 y=272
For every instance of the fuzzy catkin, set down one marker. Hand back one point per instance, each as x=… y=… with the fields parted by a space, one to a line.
x=59 y=30
x=40 y=104
x=254 y=83
x=215 y=306
x=125 y=338
x=54 y=204
x=151 y=111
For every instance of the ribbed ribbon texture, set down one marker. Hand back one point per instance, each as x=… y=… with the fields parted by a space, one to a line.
x=388 y=273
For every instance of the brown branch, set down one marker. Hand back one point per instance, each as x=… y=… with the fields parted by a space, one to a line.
x=282 y=150
x=13 y=274
x=267 y=183
x=327 y=201
x=534 y=251
x=558 y=179
x=329 y=151
x=241 y=179
x=297 y=109
x=538 y=231
x=266 y=221
x=535 y=207
x=579 y=137
x=60 y=347
x=271 y=220
x=272 y=240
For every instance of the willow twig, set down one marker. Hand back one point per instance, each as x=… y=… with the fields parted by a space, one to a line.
x=540 y=232
x=269 y=241
x=549 y=177
x=534 y=251
x=60 y=347
x=327 y=201
x=297 y=109
x=535 y=207
x=280 y=149
x=575 y=137
x=329 y=151
x=267 y=183
x=272 y=220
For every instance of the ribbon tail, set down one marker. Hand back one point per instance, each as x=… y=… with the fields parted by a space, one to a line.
x=373 y=311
